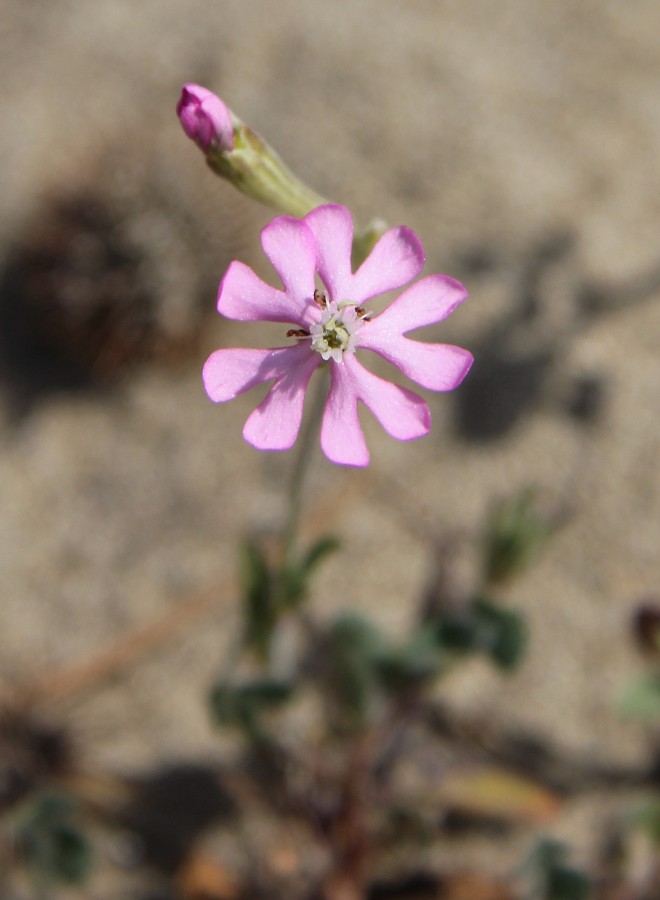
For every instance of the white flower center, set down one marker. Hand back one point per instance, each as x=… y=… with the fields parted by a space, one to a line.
x=335 y=334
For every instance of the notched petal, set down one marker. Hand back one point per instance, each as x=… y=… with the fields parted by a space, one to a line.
x=289 y=245
x=427 y=302
x=438 y=367
x=275 y=423
x=243 y=296
x=228 y=373
x=332 y=227
x=396 y=259
x=402 y=414
x=342 y=439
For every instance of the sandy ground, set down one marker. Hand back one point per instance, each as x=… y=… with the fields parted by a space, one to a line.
x=521 y=141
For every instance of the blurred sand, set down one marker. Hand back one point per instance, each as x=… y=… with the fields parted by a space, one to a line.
x=521 y=140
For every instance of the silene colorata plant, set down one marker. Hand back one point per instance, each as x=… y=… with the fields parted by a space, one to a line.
x=369 y=687
x=349 y=763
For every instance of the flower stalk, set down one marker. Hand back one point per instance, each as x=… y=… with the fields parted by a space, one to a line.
x=258 y=171
x=301 y=467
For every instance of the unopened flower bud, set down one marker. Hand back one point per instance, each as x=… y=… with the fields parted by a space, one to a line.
x=205 y=119
x=236 y=152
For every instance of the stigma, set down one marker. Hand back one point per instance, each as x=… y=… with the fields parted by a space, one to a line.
x=335 y=334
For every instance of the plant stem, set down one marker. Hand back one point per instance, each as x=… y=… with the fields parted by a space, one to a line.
x=254 y=167
x=300 y=468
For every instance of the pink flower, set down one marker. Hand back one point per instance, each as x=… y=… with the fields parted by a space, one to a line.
x=330 y=327
x=205 y=118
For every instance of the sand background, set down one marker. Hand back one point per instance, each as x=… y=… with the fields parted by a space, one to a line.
x=521 y=140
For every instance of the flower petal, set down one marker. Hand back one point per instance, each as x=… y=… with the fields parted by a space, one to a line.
x=275 y=423
x=332 y=227
x=289 y=245
x=342 y=439
x=438 y=367
x=228 y=373
x=402 y=414
x=426 y=302
x=245 y=297
x=205 y=118
x=397 y=258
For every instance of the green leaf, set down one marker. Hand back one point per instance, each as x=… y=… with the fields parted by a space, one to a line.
x=566 y=884
x=325 y=545
x=641 y=699
x=265 y=692
x=410 y=665
x=296 y=576
x=354 y=652
x=483 y=626
x=552 y=878
x=259 y=610
x=502 y=633
x=547 y=853
x=457 y=633
x=242 y=705
x=515 y=533
x=53 y=844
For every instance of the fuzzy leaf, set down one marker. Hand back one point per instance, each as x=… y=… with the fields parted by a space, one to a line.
x=354 y=649
x=242 y=705
x=412 y=664
x=319 y=550
x=296 y=577
x=502 y=633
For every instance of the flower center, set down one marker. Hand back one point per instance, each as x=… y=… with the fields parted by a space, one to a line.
x=332 y=336
x=335 y=334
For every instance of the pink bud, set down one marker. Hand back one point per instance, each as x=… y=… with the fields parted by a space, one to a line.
x=205 y=118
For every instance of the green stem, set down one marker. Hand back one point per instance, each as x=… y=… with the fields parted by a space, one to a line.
x=301 y=466
x=257 y=170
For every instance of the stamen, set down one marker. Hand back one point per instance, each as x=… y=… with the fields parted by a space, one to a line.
x=320 y=299
x=334 y=335
x=297 y=333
